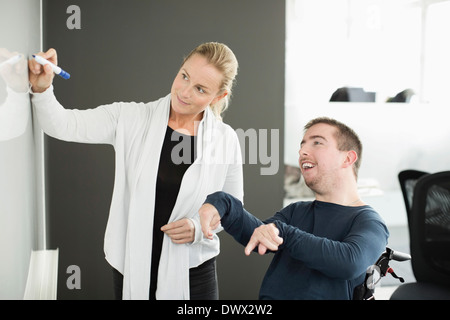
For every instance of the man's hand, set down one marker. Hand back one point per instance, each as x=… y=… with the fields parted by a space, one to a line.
x=266 y=238
x=209 y=219
x=181 y=231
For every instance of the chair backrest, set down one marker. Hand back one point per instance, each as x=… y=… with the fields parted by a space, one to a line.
x=429 y=225
x=408 y=180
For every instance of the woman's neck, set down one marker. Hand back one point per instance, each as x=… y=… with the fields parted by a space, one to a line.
x=187 y=124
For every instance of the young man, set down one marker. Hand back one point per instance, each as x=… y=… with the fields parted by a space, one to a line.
x=323 y=247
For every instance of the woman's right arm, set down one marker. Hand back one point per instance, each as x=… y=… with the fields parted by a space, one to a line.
x=86 y=126
x=41 y=77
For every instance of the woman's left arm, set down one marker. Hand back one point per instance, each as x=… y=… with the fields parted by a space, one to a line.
x=188 y=230
x=180 y=231
x=234 y=181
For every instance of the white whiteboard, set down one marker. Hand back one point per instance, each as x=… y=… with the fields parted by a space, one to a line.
x=20 y=227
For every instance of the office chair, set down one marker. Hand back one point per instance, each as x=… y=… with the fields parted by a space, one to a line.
x=408 y=180
x=429 y=229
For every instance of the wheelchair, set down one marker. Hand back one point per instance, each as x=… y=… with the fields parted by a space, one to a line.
x=375 y=272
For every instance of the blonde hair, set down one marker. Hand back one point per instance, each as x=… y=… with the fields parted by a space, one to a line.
x=221 y=57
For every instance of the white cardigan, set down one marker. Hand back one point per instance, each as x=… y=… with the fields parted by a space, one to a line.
x=137 y=130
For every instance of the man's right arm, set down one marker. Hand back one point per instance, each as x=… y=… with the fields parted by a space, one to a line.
x=235 y=220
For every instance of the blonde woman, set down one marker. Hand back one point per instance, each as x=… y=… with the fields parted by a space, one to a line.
x=169 y=155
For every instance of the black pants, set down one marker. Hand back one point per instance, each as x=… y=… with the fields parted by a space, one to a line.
x=202 y=282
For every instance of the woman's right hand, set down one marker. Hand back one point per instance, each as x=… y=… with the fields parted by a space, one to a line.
x=41 y=77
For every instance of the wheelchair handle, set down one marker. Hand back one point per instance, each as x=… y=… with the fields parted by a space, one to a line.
x=399 y=256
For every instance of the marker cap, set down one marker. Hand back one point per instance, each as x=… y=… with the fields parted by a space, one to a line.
x=64 y=74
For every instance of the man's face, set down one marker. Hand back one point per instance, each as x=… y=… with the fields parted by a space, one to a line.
x=319 y=158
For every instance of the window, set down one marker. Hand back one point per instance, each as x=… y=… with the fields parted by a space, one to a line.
x=371 y=44
x=437 y=53
x=381 y=46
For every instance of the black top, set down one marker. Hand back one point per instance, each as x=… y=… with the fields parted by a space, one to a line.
x=171 y=170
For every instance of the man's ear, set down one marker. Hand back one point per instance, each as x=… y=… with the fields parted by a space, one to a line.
x=351 y=158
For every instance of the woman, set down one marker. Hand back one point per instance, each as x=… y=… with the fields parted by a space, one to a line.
x=170 y=154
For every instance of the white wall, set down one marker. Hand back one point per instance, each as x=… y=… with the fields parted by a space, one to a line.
x=381 y=46
x=395 y=137
x=20 y=224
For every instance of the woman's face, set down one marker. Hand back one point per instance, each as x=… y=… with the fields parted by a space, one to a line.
x=196 y=86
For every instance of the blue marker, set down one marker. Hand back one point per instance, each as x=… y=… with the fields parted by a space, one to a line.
x=56 y=69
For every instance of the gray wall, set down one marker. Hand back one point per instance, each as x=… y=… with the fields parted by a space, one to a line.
x=130 y=51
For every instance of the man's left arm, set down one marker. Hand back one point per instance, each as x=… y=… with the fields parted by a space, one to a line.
x=344 y=259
